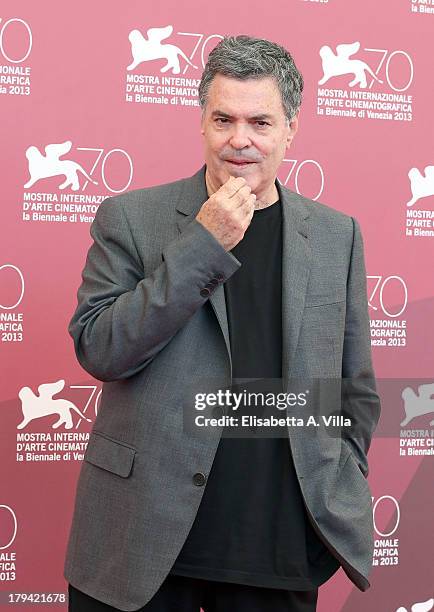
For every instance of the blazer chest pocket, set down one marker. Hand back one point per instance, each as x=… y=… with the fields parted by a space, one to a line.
x=109 y=454
x=315 y=301
x=323 y=318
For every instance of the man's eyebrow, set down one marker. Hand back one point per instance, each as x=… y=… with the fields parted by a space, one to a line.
x=262 y=117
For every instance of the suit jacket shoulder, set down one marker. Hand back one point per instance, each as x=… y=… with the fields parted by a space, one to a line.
x=326 y=223
x=322 y=212
x=145 y=200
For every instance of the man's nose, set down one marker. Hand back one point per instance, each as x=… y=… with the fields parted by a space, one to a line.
x=240 y=136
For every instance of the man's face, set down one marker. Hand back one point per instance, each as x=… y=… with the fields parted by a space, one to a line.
x=246 y=132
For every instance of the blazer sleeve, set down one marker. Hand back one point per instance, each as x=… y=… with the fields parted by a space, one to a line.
x=360 y=401
x=123 y=320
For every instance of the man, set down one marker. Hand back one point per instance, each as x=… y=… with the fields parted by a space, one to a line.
x=226 y=275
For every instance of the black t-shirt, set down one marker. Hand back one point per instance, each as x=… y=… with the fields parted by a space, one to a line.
x=252 y=527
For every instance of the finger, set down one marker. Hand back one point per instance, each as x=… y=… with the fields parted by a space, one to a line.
x=241 y=196
x=233 y=185
x=248 y=207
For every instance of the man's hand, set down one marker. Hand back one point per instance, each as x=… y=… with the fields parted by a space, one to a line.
x=228 y=212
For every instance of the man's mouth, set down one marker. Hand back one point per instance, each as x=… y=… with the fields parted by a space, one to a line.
x=239 y=162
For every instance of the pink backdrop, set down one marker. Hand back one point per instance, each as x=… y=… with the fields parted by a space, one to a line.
x=64 y=79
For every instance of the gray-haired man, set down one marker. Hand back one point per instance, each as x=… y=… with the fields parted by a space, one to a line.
x=225 y=274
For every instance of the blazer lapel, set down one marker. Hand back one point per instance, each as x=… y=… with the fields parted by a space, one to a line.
x=296 y=265
x=296 y=262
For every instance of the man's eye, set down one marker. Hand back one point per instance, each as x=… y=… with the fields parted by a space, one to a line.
x=225 y=120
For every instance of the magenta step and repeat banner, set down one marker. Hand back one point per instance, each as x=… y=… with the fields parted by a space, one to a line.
x=87 y=111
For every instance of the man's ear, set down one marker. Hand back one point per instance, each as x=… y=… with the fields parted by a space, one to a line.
x=292 y=129
x=202 y=123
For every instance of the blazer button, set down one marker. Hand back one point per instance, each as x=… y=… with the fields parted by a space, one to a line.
x=205 y=292
x=199 y=479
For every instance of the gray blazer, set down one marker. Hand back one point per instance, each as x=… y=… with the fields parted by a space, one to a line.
x=150 y=320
